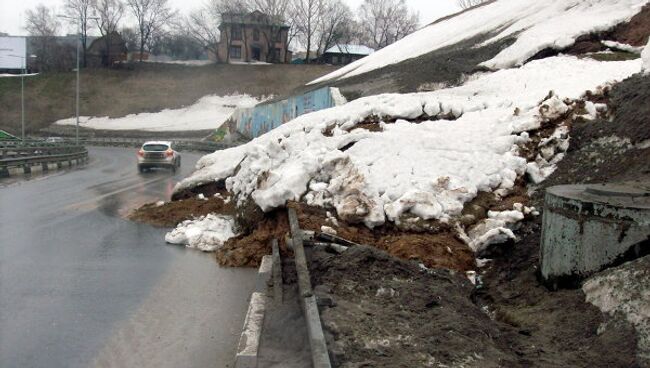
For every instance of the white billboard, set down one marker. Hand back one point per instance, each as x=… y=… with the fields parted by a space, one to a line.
x=13 y=51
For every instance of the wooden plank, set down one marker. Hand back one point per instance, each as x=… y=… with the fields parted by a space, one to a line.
x=304 y=283
x=277 y=273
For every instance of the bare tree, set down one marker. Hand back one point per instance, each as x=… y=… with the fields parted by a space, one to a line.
x=466 y=4
x=308 y=14
x=78 y=11
x=41 y=21
x=335 y=26
x=151 y=17
x=130 y=37
x=386 y=21
x=109 y=13
x=43 y=25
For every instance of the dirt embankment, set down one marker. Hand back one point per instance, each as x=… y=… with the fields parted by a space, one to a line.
x=386 y=312
x=136 y=88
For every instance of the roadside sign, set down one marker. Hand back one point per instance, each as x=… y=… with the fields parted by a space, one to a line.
x=13 y=51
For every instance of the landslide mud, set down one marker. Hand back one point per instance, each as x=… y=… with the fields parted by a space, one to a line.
x=172 y=213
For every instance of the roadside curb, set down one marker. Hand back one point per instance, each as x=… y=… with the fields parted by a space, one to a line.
x=249 y=341
x=319 y=353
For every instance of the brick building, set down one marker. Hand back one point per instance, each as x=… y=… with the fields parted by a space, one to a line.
x=252 y=37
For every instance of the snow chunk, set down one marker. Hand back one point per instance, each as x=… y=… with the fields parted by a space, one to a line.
x=497 y=228
x=207 y=233
x=208 y=112
x=622 y=47
x=337 y=96
x=625 y=290
x=645 y=55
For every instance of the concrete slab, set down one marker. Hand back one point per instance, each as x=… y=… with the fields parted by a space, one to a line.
x=249 y=342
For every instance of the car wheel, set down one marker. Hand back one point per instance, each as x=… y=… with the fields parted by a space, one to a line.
x=141 y=169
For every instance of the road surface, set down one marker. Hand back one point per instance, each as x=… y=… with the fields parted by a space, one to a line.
x=80 y=286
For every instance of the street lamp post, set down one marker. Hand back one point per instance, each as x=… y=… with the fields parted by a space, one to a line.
x=22 y=97
x=77 y=87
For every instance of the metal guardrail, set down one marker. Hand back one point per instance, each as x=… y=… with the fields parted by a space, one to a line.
x=32 y=154
x=178 y=144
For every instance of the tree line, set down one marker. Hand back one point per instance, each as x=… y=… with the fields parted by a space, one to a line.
x=155 y=27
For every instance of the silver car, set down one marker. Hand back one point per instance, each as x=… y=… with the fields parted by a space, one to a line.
x=158 y=154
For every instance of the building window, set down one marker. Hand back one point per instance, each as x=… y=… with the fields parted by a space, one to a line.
x=276 y=54
x=276 y=36
x=236 y=33
x=256 y=34
x=235 y=52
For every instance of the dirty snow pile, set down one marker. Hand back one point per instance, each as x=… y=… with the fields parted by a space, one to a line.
x=208 y=112
x=625 y=291
x=207 y=233
x=536 y=25
x=645 y=55
x=469 y=142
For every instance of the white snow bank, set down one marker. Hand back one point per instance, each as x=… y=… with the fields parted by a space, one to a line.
x=645 y=55
x=6 y=75
x=427 y=170
x=625 y=291
x=208 y=112
x=535 y=24
x=207 y=233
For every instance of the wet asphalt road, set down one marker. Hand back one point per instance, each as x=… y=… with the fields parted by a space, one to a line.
x=80 y=286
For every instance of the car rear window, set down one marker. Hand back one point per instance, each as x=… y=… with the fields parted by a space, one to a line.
x=155 y=147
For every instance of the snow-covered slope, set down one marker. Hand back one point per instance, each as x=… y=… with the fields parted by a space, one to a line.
x=209 y=112
x=427 y=170
x=536 y=24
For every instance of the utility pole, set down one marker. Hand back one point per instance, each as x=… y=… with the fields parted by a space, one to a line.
x=22 y=101
x=77 y=84
x=22 y=97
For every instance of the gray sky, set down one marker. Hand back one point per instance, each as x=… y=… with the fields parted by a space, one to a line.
x=12 y=12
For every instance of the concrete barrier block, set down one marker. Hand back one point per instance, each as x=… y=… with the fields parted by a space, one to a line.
x=264 y=274
x=249 y=342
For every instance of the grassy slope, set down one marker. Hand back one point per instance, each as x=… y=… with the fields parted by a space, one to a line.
x=140 y=88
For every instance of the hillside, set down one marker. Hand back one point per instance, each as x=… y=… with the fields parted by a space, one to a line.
x=141 y=88
x=496 y=35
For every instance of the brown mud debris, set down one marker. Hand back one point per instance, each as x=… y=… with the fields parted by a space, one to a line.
x=441 y=249
x=172 y=213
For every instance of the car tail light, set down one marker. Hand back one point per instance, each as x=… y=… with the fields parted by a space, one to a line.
x=141 y=153
x=169 y=153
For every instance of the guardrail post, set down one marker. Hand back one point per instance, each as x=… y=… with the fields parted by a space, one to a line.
x=27 y=169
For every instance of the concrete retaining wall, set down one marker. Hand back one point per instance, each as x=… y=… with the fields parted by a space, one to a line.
x=255 y=121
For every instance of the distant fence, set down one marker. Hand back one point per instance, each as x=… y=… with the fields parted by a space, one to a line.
x=38 y=154
x=255 y=121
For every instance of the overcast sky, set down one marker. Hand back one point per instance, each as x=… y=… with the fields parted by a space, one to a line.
x=12 y=12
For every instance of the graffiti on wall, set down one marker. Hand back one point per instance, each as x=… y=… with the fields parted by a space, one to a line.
x=255 y=121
